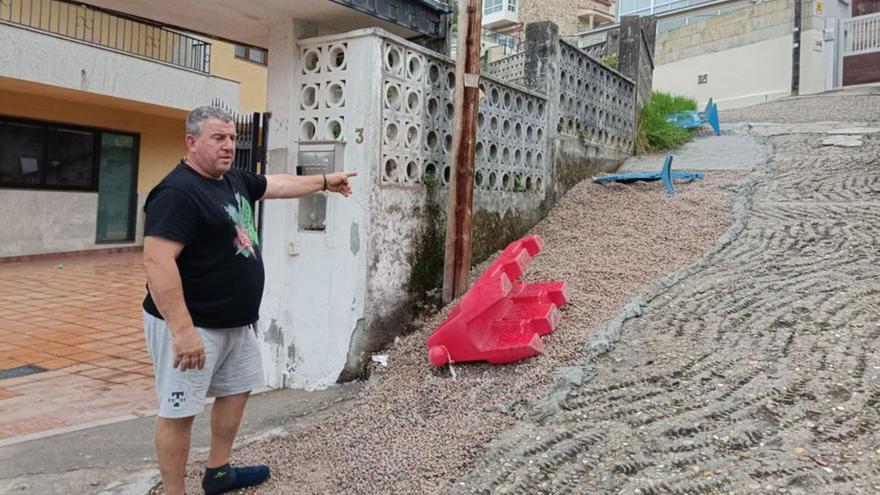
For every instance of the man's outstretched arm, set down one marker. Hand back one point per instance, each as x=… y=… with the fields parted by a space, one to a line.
x=285 y=186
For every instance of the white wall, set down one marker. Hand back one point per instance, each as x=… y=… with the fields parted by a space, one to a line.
x=316 y=281
x=40 y=222
x=48 y=59
x=737 y=77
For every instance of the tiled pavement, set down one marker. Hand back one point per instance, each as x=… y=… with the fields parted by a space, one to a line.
x=80 y=318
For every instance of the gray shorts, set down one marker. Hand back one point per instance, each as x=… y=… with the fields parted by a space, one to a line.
x=232 y=366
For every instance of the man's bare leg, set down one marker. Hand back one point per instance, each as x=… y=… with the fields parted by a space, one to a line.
x=172 y=448
x=225 y=418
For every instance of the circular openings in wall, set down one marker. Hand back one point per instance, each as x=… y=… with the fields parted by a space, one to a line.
x=432 y=107
x=334 y=129
x=539 y=184
x=337 y=57
x=493 y=152
x=517 y=130
x=431 y=139
x=494 y=96
x=506 y=182
x=450 y=111
x=530 y=159
x=478 y=178
x=519 y=104
x=450 y=80
x=414 y=67
x=480 y=151
x=393 y=59
x=311 y=60
x=309 y=98
x=335 y=94
x=430 y=171
x=433 y=74
x=505 y=128
x=390 y=169
x=412 y=171
x=481 y=120
x=412 y=136
x=413 y=102
x=307 y=130
x=530 y=133
x=539 y=159
x=505 y=155
x=446 y=175
x=517 y=157
x=540 y=110
x=447 y=143
x=493 y=124
x=392 y=97
x=529 y=184
x=493 y=180
x=392 y=132
x=530 y=107
x=508 y=100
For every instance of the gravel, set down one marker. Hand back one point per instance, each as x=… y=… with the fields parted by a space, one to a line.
x=414 y=429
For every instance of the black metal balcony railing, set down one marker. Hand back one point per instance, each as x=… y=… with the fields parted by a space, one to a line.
x=109 y=30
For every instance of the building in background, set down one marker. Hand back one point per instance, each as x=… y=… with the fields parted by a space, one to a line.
x=741 y=52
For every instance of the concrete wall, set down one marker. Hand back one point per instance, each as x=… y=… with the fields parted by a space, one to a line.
x=55 y=61
x=737 y=77
x=745 y=54
x=53 y=222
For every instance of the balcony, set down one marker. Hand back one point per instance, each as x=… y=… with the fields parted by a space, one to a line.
x=71 y=45
x=500 y=14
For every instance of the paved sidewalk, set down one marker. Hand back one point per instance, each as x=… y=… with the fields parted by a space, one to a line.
x=79 y=318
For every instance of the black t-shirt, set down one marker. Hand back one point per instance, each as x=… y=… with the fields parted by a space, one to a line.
x=221 y=266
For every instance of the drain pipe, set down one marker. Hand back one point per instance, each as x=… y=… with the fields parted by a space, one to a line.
x=796 y=50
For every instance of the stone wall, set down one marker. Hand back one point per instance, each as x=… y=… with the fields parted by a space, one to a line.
x=563 y=13
x=759 y=22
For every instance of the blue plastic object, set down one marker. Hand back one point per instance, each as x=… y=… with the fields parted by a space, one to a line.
x=694 y=119
x=665 y=174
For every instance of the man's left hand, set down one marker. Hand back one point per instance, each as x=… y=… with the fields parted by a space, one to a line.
x=338 y=182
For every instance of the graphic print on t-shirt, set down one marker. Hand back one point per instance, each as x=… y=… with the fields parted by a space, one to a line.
x=245 y=233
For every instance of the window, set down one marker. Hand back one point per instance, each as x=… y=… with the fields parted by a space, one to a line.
x=48 y=156
x=492 y=6
x=511 y=5
x=251 y=54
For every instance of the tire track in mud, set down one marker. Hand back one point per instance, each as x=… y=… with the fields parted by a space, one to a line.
x=758 y=373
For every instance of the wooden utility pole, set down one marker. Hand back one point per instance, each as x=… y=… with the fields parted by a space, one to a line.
x=459 y=212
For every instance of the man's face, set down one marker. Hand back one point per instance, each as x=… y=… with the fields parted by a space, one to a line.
x=214 y=149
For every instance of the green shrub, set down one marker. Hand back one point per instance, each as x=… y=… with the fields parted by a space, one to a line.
x=655 y=133
x=611 y=61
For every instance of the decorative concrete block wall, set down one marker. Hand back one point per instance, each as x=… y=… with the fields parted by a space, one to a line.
x=389 y=104
x=596 y=102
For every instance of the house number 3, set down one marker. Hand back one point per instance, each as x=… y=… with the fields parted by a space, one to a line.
x=360 y=135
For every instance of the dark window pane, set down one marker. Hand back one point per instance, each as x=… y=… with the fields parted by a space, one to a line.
x=240 y=51
x=258 y=56
x=21 y=153
x=71 y=155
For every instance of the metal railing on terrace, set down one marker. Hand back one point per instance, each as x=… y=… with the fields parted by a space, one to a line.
x=108 y=29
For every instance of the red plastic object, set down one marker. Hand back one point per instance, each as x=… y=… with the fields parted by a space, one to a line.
x=501 y=318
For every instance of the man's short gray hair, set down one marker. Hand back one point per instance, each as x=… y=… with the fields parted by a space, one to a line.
x=196 y=119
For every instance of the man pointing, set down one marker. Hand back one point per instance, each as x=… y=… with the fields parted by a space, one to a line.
x=205 y=280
